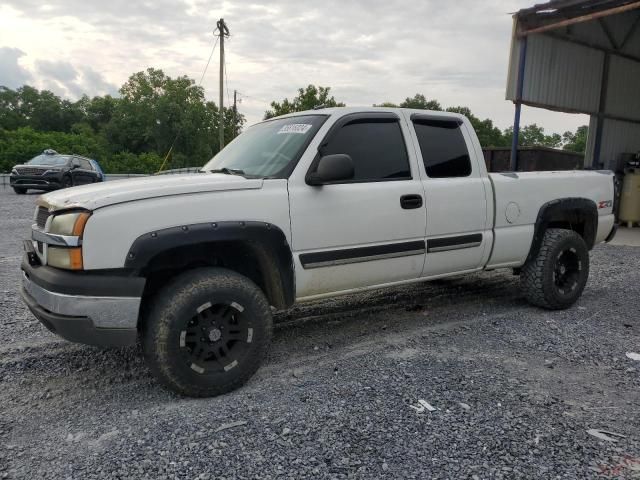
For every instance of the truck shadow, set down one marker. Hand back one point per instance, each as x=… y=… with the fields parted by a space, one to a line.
x=306 y=329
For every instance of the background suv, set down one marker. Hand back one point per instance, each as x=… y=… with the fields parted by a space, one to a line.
x=51 y=170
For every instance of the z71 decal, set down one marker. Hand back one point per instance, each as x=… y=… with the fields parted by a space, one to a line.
x=605 y=204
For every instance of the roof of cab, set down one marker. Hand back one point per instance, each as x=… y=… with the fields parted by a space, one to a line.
x=348 y=110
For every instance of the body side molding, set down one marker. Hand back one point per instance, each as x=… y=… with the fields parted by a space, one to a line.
x=454 y=243
x=361 y=254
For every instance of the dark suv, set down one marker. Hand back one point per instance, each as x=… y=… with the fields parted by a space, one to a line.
x=51 y=170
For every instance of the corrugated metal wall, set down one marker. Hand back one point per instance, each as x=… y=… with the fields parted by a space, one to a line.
x=565 y=76
x=623 y=92
x=558 y=75
x=617 y=137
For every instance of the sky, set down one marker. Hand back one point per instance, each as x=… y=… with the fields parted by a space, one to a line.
x=367 y=51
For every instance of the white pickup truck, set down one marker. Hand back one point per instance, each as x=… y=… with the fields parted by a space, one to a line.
x=300 y=207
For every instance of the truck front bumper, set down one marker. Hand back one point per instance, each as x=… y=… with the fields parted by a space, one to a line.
x=82 y=307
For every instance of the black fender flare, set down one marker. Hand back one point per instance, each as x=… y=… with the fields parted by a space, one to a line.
x=266 y=241
x=573 y=211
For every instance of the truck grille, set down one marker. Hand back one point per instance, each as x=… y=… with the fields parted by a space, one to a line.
x=42 y=214
x=30 y=171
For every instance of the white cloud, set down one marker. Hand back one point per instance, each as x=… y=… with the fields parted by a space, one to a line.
x=12 y=74
x=368 y=51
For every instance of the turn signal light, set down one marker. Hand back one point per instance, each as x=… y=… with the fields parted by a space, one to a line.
x=67 y=258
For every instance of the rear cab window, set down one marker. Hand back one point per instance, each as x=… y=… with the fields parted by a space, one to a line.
x=443 y=147
x=376 y=147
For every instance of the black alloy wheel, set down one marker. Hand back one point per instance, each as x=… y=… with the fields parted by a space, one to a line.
x=556 y=275
x=566 y=272
x=216 y=337
x=206 y=331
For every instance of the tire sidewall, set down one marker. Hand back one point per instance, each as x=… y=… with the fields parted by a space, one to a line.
x=177 y=303
x=570 y=240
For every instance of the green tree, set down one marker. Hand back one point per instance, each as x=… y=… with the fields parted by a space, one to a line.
x=40 y=110
x=11 y=116
x=576 y=142
x=488 y=134
x=19 y=145
x=98 y=111
x=386 y=104
x=156 y=112
x=533 y=136
x=307 y=99
x=420 y=101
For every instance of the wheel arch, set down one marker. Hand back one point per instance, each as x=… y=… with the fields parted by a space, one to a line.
x=257 y=250
x=577 y=214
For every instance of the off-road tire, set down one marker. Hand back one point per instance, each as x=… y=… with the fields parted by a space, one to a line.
x=540 y=276
x=175 y=308
x=20 y=191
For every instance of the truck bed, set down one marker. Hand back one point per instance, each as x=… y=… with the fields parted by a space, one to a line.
x=519 y=197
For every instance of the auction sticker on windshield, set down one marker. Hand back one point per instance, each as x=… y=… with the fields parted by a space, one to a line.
x=295 y=128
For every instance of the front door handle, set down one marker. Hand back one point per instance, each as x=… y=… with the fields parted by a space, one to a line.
x=411 y=201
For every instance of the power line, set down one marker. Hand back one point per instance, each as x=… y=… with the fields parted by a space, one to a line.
x=268 y=102
x=208 y=61
x=173 y=144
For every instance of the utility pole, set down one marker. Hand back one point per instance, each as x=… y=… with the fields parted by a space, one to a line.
x=235 y=110
x=223 y=31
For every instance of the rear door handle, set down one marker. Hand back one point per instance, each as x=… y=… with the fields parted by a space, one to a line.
x=411 y=201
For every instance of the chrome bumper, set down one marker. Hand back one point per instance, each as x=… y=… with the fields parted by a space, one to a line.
x=104 y=312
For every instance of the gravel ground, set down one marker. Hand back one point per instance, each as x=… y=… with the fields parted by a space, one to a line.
x=515 y=388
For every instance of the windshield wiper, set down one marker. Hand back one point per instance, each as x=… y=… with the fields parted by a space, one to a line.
x=228 y=171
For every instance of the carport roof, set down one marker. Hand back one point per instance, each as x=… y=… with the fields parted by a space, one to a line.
x=581 y=56
x=552 y=16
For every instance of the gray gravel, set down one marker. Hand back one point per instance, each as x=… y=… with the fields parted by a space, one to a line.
x=333 y=399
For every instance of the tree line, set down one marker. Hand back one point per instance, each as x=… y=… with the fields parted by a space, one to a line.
x=488 y=134
x=130 y=133
x=157 y=117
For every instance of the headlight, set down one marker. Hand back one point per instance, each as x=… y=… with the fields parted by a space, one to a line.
x=69 y=258
x=70 y=224
x=14 y=172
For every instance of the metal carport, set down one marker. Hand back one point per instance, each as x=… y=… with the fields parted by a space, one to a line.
x=581 y=56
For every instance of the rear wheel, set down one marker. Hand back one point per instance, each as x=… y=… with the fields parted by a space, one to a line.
x=207 y=332
x=20 y=191
x=557 y=275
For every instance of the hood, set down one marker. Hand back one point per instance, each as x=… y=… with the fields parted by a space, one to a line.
x=98 y=195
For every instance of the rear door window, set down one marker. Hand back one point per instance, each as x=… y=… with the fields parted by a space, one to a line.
x=443 y=147
x=376 y=147
x=85 y=164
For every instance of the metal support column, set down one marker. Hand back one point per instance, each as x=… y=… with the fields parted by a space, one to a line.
x=604 y=83
x=518 y=101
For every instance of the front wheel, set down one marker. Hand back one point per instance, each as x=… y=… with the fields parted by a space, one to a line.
x=67 y=181
x=20 y=191
x=206 y=332
x=557 y=275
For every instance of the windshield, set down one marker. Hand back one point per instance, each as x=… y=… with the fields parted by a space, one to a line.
x=268 y=148
x=48 y=160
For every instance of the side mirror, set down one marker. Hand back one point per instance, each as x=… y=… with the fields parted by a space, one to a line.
x=74 y=166
x=331 y=168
